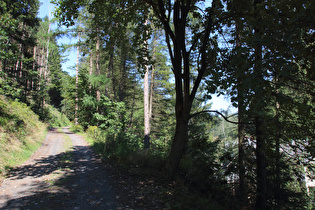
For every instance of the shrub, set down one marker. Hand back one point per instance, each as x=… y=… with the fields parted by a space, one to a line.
x=76 y=128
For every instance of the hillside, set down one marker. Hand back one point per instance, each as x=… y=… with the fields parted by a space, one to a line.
x=21 y=133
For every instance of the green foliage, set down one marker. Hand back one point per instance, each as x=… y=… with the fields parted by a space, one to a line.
x=76 y=128
x=53 y=117
x=106 y=114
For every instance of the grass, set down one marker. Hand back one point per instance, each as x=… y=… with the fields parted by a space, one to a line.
x=21 y=134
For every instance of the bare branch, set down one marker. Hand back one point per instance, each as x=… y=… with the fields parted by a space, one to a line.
x=226 y=118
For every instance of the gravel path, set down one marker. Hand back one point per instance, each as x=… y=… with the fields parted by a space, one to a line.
x=54 y=178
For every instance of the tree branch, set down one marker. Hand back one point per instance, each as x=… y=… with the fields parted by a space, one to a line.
x=226 y=118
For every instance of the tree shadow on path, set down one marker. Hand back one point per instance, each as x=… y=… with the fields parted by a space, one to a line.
x=81 y=182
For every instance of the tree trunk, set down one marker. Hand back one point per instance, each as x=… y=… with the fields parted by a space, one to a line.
x=151 y=94
x=241 y=120
x=123 y=76
x=91 y=69
x=178 y=144
x=111 y=69
x=146 y=101
x=77 y=81
x=132 y=106
x=259 y=103
x=98 y=93
x=46 y=73
x=146 y=109
x=261 y=202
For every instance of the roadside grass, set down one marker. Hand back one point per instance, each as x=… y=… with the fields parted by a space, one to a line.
x=21 y=134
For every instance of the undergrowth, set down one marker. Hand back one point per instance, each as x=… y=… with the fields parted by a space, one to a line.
x=197 y=185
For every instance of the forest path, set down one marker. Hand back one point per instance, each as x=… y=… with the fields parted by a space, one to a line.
x=63 y=173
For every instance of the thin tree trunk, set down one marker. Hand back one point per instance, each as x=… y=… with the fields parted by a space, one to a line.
x=261 y=202
x=46 y=62
x=111 y=70
x=146 y=101
x=241 y=120
x=146 y=109
x=151 y=94
x=98 y=92
x=133 y=105
x=278 y=155
x=121 y=94
x=152 y=83
x=34 y=66
x=77 y=81
x=91 y=69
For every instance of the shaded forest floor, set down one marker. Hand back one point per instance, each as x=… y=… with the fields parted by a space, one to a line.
x=66 y=174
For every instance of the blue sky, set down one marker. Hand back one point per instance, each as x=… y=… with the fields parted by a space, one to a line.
x=218 y=103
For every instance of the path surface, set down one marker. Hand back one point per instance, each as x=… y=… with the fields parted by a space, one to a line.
x=56 y=178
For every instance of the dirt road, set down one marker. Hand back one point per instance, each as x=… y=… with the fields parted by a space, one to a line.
x=63 y=174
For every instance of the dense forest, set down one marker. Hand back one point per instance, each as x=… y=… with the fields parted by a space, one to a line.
x=145 y=74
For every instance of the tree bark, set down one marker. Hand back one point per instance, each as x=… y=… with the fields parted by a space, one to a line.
x=91 y=69
x=261 y=198
x=146 y=101
x=178 y=144
x=98 y=93
x=146 y=109
x=241 y=120
x=77 y=81
x=180 y=58
x=261 y=202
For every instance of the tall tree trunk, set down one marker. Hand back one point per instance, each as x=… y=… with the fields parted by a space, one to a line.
x=133 y=105
x=152 y=81
x=98 y=70
x=77 y=81
x=114 y=81
x=146 y=101
x=91 y=69
x=46 y=73
x=151 y=93
x=261 y=202
x=278 y=154
x=146 y=109
x=123 y=71
x=34 y=67
x=110 y=73
x=241 y=120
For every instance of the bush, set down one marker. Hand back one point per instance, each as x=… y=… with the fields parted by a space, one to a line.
x=76 y=129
